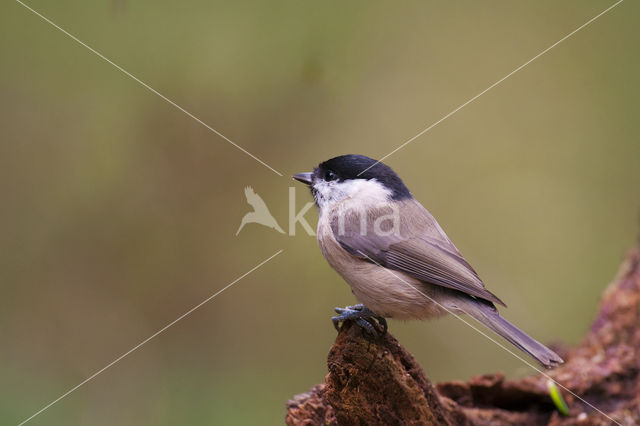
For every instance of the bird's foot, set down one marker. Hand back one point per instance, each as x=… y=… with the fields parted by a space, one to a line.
x=363 y=317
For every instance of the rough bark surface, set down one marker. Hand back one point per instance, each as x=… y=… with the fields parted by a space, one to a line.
x=376 y=381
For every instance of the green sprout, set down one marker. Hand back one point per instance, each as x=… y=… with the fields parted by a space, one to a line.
x=557 y=398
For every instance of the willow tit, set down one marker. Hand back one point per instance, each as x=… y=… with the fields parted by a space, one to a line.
x=395 y=256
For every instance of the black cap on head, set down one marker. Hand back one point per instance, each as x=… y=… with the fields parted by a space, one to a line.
x=354 y=166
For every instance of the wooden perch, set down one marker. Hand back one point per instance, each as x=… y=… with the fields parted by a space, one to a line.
x=378 y=382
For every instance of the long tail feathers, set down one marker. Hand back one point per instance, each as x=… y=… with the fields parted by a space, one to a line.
x=489 y=316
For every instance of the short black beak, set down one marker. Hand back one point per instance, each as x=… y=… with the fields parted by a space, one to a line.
x=303 y=177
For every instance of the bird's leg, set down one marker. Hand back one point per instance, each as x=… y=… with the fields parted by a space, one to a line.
x=362 y=317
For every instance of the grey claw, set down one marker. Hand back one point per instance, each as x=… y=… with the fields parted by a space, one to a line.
x=367 y=326
x=383 y=323
x=336 y=323
x=362 y=317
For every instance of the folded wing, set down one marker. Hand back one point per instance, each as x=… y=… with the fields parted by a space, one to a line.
x=420 y=248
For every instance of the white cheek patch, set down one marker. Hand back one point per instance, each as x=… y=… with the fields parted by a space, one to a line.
x=363 y=191
x=324 y=193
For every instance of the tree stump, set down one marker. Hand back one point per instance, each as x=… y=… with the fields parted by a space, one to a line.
x=376 y=381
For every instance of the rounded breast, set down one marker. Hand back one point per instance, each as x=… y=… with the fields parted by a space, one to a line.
x=391 y=294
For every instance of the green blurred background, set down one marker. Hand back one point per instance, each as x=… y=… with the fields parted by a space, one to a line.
x=118 y=212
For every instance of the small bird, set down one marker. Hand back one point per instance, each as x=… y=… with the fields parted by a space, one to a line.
x=260 y=213
x=395 y=256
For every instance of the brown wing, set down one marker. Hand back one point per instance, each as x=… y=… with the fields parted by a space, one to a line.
x=420 y=248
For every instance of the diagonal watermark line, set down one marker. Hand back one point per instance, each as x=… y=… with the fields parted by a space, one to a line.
x=490 y=338
x=146 y=86
x=459 y=107
x=91 y=377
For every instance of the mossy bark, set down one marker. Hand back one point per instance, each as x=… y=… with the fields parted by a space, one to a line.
x=376 y=381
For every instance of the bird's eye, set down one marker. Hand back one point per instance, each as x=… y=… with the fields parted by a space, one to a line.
x=329 y=175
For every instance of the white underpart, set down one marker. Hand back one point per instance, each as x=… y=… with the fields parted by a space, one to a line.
x=362 y=191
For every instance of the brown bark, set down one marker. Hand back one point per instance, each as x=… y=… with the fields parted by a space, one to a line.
x=376 y=381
